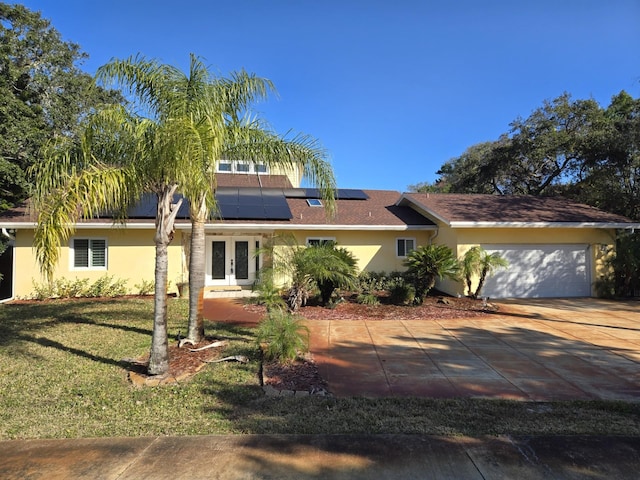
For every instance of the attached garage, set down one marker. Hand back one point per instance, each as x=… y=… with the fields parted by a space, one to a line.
x=555 y=247
x=540 y=271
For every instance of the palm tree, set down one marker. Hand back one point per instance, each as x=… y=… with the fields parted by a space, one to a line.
x=487 y=264
x=242 y=136
x=426 y=264
x=330 y=267
x=158 y=145
x=470 y=263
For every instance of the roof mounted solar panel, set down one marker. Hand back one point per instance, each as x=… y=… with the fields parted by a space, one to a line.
x=252 y=204
x=147 y=207
x=340 y=194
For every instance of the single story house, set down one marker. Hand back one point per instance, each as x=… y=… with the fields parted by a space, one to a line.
x=555 y=248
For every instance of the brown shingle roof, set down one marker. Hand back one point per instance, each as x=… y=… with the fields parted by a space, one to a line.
x=379 y=209
x=453 y=208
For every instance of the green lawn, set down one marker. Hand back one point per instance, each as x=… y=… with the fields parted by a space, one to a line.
x=61 y=375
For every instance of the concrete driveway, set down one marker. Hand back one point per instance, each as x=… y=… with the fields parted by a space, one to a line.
x=537 y=350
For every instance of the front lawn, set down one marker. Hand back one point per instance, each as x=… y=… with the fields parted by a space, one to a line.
x=62 y=375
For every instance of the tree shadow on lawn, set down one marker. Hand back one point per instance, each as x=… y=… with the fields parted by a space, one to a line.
x=30 y=321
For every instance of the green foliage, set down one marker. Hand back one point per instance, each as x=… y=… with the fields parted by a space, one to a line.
x=428 y=263
x=401 y=292
x=477 y=261
x=371 y=281
x=368 y=299
x=470 y=266
x=44 y=94
x=145 y=287
x=105 y=286
x=269 y=294
x=625 y=281
x=283 y=335
x=330 y=267
x=324 y=267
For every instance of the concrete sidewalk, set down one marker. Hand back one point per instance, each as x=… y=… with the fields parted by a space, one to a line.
x=322 y=457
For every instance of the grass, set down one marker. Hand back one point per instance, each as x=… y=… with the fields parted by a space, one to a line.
x=61 y=375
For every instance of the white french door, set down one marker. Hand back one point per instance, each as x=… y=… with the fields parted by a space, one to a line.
x=231 y=260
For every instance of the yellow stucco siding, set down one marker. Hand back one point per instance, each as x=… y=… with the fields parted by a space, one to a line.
x=130 y=256
x=375 y=251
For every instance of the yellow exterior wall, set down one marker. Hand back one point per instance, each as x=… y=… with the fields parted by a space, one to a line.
x=375 y=251
x=130 y=256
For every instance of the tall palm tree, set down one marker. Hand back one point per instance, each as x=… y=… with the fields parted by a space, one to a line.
x=242 y=136
x=158 y=145
x=427 y=263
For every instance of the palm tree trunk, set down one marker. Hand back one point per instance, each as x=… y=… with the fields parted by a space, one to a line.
x=195 y=331
x=159 y=356
x=165 y=218
x=483 y=277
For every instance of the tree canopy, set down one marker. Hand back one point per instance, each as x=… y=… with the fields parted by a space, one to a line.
x=573 y=148
x=43 y=94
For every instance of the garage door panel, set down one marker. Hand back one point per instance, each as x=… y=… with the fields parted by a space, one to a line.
x=540 y=271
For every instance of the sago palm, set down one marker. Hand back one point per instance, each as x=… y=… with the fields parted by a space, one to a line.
x=330 y=267
x=428 y=263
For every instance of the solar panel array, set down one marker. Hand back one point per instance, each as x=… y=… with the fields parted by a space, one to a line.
x=252 y=204
x=246 y=203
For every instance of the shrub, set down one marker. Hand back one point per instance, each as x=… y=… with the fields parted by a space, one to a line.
x=284 y=336
x=427 y=263
x=400 y=291
x=368 y=299
x=146 y=287
x=269 y=294
x=105 y=286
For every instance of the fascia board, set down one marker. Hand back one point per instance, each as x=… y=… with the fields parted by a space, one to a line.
x=258 y=226
x=627 y=226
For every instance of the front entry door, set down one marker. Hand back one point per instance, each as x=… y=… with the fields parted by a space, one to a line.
x=229 y=261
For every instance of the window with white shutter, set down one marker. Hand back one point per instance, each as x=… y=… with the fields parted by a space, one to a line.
x=89 y=253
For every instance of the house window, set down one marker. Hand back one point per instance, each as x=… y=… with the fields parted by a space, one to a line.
x=242 y=167
x=89 y=253
x=315 y=241
x=260 y=168
x=314 y=202
x=404 y=246
x=225 y=167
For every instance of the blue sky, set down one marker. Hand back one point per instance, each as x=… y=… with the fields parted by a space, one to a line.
x=392 y=89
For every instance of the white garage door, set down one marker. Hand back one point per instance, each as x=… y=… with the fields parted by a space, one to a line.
x=540 y=271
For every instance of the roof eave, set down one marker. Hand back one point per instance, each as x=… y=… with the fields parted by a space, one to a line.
x=606 y=225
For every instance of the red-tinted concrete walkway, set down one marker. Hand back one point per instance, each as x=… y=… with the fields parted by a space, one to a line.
x=538 y=350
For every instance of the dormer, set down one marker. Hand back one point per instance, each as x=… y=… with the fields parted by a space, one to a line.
x=250 y=167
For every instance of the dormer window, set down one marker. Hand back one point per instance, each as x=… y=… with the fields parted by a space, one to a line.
x=226 y=167
x=241 y=166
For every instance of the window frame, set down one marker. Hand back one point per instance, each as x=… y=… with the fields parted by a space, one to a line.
x=406 y=250
x=319 y=240
x=242 y=167
x=90 y=254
